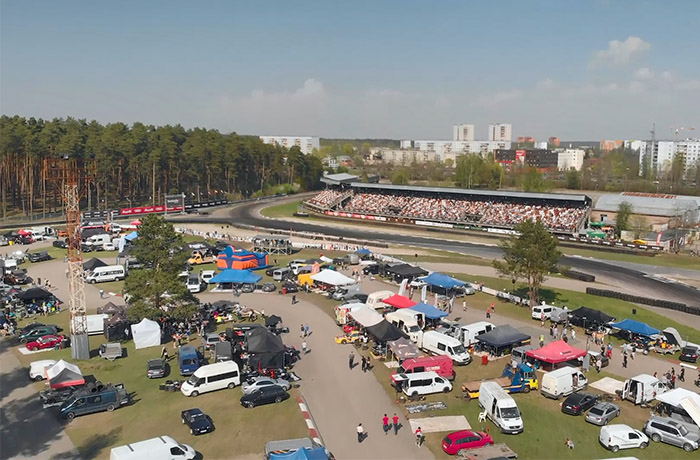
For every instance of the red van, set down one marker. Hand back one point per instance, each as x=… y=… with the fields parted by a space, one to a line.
x=440 y=364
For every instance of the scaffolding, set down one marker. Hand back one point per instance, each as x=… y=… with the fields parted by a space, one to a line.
x=272 y=244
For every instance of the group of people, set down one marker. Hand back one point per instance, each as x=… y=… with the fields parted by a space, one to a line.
x=669 y=378
x=387 y=425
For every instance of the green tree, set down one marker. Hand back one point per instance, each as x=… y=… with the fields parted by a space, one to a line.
x=622 y=221
x=529 y=255
x=400 y=177
x=573 y=179
x=533 y=181
x=160 y=249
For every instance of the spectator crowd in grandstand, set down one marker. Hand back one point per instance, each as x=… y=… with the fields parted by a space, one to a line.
x=496 y=213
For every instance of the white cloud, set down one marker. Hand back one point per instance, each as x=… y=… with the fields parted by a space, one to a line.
x=546 y=83
x=666 y=76
x=495 y=101
x=636 y=86
x=643 y=73
x=621 y=52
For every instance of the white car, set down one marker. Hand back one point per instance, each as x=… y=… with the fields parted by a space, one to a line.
x=37 y=369
x=616 y=437
x=260 y=382
x=207 y=275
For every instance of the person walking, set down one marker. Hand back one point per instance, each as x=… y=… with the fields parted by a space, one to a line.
x=573 y=335
x=302 y=330
x=598 y=364
x=360 y=433
x=541 y=340
x=351 y=360
x=419 y=437
x=624 y=360
x=102 y=294
x=385 y=424
x=681 y=376
x=307 y=330
x=294 y=299
x=395 y=422
x=541 y=319
x=164 y=353
x=303 y=347
x=556 y=332
x=364 y=364
x=464 y=305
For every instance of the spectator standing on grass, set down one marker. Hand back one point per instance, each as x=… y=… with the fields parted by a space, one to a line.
x=164 y=353
x=395 y=420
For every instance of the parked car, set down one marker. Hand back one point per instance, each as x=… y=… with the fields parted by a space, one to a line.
x=357 y=298
x=351 y=337
x=58 y=395
x=578 y=403
x=155 y=368
x=46 y=341
x=270 y=271
x=290 y=287
x=674 y=432
x=248 y=288
x=39 y=256
x=465 y=439
x=62 y=244
x=602 y=413
x=262 y=382
x=266 y=395
x=24 y=240
x=269 y=287
x=197 y=421
x=35 y=333
x=30 y=327
x=16 y=277
x=616 y=437
x=689 y=354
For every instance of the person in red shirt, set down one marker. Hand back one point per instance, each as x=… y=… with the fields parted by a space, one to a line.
x=385 y=424
x=395 y=420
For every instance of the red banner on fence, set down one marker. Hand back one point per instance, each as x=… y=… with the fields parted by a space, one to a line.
x=147 y=210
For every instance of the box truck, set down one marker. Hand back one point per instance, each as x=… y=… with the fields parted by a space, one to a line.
x=562 y=382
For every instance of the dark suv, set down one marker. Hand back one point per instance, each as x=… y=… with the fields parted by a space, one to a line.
x=39 y=256
x=689 y=354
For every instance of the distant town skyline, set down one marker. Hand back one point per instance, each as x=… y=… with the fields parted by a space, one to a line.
x=407 y=69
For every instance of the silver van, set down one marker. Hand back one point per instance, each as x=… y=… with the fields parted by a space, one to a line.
x=281 y=273
x=674 y=432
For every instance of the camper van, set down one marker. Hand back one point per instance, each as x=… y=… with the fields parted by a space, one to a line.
x=500 y=407
x=99 y=240
x=467 y=334
x=188 y=359
x=409 y=322
x=550 y=312
x=562 y=382
x=346 y=292
x=421 y=383
x=374 y=300
x=162 y=447
x=212 y=377
x=440 y=364
x=106 y=274
x=642 y=389
x=441 y=344
x=519 y=354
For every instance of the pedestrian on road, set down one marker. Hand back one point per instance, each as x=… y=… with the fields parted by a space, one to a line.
x=541 y=340
x=488 y=312
x=307 y=330
x=598 y=364
x=673 y=381
x=681 y=376
x=303 y=347
x=395 y=420
x=556 y=332
x=385 y=424
x=302 y=331
x=351 y=360
x=624 y=360
x=364 y=363
x=360 y=433
x=551 y=330
x=294 y=299
x=573 y=334
x=102 y=294
x=419 y=437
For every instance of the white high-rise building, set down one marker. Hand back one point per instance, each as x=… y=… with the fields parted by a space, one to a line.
x=570 y=158
x=662 y=153
x=305 y=144
x=463 y=133
x=500 y=132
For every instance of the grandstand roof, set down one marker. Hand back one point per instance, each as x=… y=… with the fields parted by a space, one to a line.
x=336 y=179
x=648 y=204
x=480 y=193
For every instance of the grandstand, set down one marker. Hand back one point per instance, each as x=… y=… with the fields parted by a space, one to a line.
x=453 y=207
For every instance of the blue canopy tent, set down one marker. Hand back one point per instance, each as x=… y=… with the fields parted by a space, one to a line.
x=363 y=252
x=635 y=327
x=319 y=453
x=231 y=275
x=442 y=281
x=131 y=236
x=429 y=311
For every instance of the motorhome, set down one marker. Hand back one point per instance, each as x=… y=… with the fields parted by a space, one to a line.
x=410 y=322
x=207 y=275
x=212 y=377
x=162 y=447
x=106 y=274
x=562 y=382
x=501 y=408
x=441 y=344
x=468 y=333
x=375 y=299
x=642 y=389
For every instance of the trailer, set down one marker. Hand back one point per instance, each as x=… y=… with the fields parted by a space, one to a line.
x=520 y=380
x=487 y=452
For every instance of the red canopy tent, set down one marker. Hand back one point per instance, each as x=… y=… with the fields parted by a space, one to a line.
x=556 y=352
x=399 y=301
x=64 y=374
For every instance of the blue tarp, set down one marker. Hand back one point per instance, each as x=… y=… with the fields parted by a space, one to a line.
x=318 y=453
x=131 y=236
x=440 y=280
x=231 y=275
x=635 y=327
x=429 y=311
x=363 y=252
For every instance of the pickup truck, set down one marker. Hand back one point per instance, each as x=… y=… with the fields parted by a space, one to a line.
x=199 y=258
x=111 y=351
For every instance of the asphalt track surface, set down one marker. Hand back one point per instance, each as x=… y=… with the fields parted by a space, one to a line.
x=247 y=214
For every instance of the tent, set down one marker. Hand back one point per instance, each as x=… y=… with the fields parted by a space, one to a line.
x=272 y=320
x=116 y=328
x=585 y=316
x=93 y=264
x=131 y=236
x=363 y=252
x=236 y=276
x=332 y=277
x=266 y=349
x=502 y=338
x=318 y=453
x=111 y=309
x=64 y=374
x=404 y=349
x=556 y=352
x=442 y=281
x=405 y=271
x=366 y=316
x=384 y=331
x=685 y=399
x=136 y=222
x=34 y=294
x=399 y=301
x=88 y=232
x=241 y=259
x=429 y=311
x=635 y=327
x=146 y=334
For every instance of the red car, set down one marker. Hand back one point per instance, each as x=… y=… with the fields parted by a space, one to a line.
x=465 y=439
x=47 y=341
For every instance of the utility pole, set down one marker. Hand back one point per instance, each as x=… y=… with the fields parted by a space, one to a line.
x=74 y=175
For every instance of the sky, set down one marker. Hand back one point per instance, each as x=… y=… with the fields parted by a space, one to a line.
x=408 y=69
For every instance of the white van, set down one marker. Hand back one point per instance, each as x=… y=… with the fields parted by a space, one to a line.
x=37 y=369
x=500 y=407
x=422 y=383
x=212 y=377
x=281 y=273
x=108 y=273
x=99 y=240
x=643 y=388
x=195 y=284
x=550 y=312
x=467 y=334
x=162 y=447
x=410 y=322
x=562 y=382
x=442 y=344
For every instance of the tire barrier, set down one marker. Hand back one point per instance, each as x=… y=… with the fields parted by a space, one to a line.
x=579 y=276
x=693 y=310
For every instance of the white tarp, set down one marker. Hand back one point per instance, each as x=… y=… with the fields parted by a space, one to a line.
x=146 y=334
x=680 y=397
x=366 y=316
x=96 y=323
x=332 y=277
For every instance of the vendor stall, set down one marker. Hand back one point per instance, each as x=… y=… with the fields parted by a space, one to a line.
x=502 y=339
x=556 y=353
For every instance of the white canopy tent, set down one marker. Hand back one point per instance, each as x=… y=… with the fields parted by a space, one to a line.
x=366 y=316
x=680 y=397
x=146 y=334
x=332 y=277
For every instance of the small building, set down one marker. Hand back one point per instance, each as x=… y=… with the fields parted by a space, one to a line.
x=660 y=211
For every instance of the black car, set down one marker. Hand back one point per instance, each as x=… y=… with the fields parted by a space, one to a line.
x=198 y=421
x=24 y=240
x=269 y=287
x=689 y=354
x=270 y=271
x=357 y=298
x=290 y=287
x=30 y=327
x=578 y=403
x=39 y=256
x=60 y=244
x=265 y=395
x=248 y=288
x=371 y=269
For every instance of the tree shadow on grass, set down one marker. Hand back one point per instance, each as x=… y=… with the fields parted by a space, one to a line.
x=93 y=446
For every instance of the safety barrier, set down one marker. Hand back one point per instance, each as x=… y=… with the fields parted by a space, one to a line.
x=678 y=306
